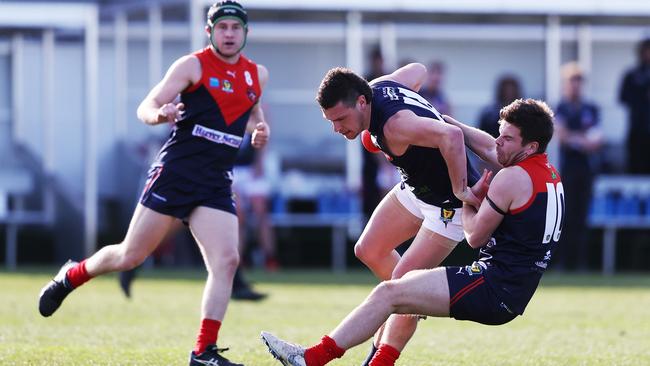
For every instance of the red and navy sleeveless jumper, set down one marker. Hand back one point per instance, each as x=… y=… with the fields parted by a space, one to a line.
x=525 y=240
x=498 y=286
x=198 y=157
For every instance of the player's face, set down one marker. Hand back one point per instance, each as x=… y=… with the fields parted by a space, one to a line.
x=346 y=120
x=509 y=148
x=228 y=35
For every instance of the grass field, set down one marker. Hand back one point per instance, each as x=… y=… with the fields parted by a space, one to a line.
x=572 y=320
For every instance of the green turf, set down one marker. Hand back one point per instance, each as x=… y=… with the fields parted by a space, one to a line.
x=572 y=320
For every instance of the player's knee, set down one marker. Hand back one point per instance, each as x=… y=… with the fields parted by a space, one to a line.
x=231 y=261
x=365 y=253
x=386 y=291
x=224 y=261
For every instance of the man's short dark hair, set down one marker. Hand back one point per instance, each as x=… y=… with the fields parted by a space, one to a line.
x=534 y=118
x=342 y=85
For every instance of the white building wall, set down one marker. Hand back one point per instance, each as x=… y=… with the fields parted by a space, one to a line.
x=475 y=56
x=69 y=117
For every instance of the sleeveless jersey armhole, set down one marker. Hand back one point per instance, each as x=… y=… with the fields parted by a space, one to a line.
x=195 y=86
x=523 y=207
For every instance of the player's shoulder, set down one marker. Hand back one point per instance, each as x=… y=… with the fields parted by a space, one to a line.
x=192 y=59
x=188 y=66
x=262 y=71
x=410 y=76
x=511 y=181
x=382 y=82
x=513 y=172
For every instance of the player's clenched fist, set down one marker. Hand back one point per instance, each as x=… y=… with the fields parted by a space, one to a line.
x=260 y=135
x=170 y=112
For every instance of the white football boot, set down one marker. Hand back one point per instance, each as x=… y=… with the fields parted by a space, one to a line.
x=288 y=354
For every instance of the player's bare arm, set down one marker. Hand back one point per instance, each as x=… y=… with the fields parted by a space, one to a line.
x=482 y=143
x=405 y=128
x=510 y=189
x=158 y=106
x=411 y=76
x=257 y=114
x=256 y=122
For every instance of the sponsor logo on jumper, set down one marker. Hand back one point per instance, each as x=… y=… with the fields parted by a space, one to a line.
x=227 y=86
x=492 y=242
x=251 y=95
x=231 y=74
x=216 y=136
x=214 y=82
x=544 y=262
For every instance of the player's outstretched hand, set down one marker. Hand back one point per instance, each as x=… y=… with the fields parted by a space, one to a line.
x=260 y=135
x=170 y=112
x=467 y=196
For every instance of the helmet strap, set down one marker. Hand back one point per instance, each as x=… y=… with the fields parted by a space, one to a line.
x=214 y=43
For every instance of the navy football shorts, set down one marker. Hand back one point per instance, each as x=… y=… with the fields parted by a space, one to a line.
x=171 y=194
x=471 y=298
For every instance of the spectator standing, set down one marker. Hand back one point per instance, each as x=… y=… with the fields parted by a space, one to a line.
x=432 y=88
x=580 y=139
x=508 y=89
x=635 y=95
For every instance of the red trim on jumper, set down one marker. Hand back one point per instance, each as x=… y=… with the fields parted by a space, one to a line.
x=538 y=169
x=479 y=281
x=236 y=89
x=524 y=207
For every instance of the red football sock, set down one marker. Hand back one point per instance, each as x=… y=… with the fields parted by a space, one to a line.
x=207 y=335
x=322 y=353
x=78 y=275
x=386 y=356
